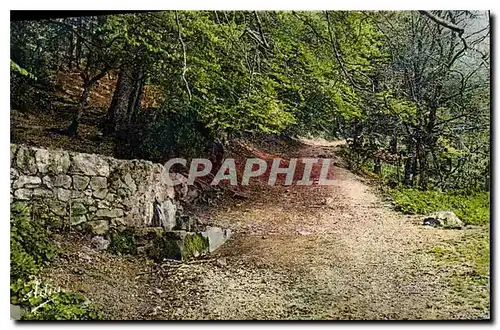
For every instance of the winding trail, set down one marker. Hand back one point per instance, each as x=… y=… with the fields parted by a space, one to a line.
x=299 y=252
x=324 y=252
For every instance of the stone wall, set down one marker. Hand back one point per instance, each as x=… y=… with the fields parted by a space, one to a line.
x=92 y=191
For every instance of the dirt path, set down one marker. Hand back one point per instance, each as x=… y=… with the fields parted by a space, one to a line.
x=334 y=252
x=299 y=252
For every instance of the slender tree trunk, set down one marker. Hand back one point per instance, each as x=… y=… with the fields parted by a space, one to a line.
x=71 y=51
x=73 y=128
x=87 y=88
x=78 y=46
x=407 y=171
x=377 y=167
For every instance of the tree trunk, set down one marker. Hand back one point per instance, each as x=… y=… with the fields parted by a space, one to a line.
x=126 y=100
x=87 y=88
x=73 y=128
x=78 y=47
x=408 y=170
x=377 y=168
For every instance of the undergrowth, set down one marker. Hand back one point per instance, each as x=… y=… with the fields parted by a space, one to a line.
x=468 y=264
x=470 y=208
x=31 y=247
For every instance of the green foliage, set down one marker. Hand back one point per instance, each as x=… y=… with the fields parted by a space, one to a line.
x=31 y=247
x=468 y=263
x=369 y=76
x=47 y=303
x=123 y=242
x=165 y=246
x=163 y=135
x=16 y=68
x=30 y=243
x=470 y=208
x=193 y=245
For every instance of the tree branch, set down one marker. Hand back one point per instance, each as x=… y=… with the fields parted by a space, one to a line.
x=184 y=69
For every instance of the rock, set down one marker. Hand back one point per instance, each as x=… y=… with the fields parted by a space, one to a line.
x=178 y=245
x=130 y=182
x=62 y=180
x=14 y=174
x=118 y=222
x=445 y=219
x=80 y=182
x=164 y=215
x=89 y=164
x=98 y=227
x=216 y=237
x=42 y=157
x=77 y=208
x=40 y=192
x=100 y=194
x=109 y=213
x=58 y=207
x=13 y=150
x=63 y=194
x=23 y=194
x=15 y=312
x=25 y=161
x=103 y=204
x=329 y=201
x=47 y=181
x=52 y=161
x=77 y=219
x=110 y=197
x=222 y=262
x=100 y=243
x=98 y=183
x=77 y=194
x=25 y=181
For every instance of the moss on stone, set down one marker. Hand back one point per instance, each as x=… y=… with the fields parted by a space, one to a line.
x=194 y=246
x=123 y=242
x=165 y=246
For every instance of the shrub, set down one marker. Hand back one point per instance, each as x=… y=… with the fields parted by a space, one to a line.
x=123 y=242
x=31 y=247
x=471 y=208
x=30 y=243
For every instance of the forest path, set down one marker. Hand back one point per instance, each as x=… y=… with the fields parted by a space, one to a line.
x=298 y=252
x=322 y=252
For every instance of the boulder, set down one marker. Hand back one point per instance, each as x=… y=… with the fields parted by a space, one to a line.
x=15 y=312
x=99 y=243
x=445 y=219
x=216 y=237
x=164 y=214
x=178 y=245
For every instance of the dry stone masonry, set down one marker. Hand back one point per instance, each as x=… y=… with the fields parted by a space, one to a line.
x=95 y=192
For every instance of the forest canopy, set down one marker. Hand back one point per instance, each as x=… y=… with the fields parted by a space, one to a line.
x=410 y=91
